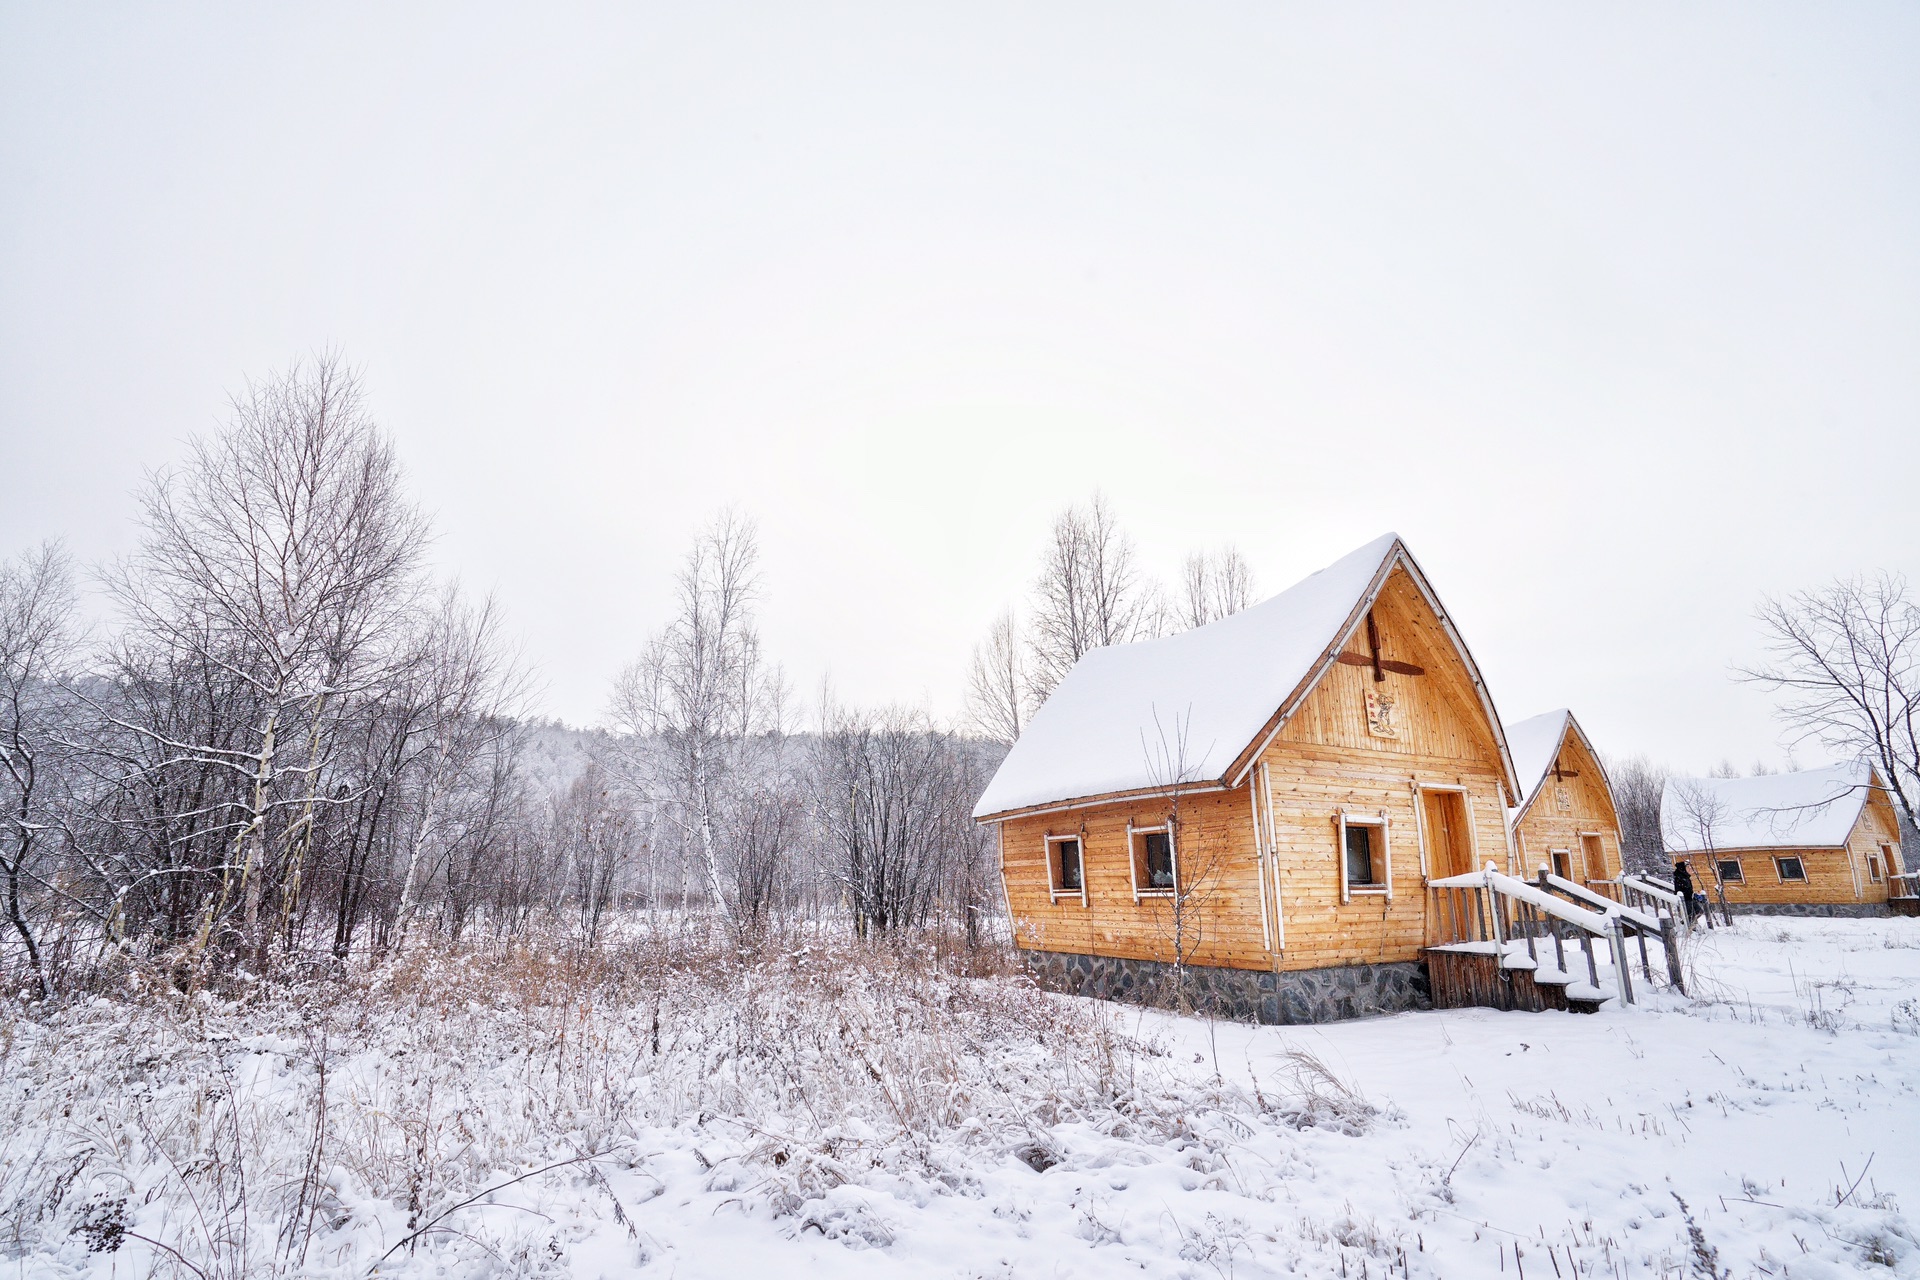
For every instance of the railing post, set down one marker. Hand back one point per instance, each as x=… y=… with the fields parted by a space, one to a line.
x=1670 y=939
x=1622 y=974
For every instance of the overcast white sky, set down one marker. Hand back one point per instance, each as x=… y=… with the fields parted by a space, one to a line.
x=1613 y=312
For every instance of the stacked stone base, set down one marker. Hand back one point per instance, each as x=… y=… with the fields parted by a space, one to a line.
x=1245 y=995
x=1825 y=910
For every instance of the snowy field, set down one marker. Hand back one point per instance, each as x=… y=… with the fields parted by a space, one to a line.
x=806 y=1115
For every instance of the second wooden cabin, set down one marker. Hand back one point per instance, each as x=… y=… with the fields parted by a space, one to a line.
x=1259 y=802
x=1817 y=842
x=1567 y=822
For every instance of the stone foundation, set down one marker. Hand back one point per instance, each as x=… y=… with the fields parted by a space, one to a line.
x=1828 y=910
x=1246 y=995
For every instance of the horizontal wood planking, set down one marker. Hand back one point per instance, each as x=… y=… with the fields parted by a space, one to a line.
x=1310 y=787
x=1546 y=826
x=1213 y=843
x=1833 y=875
x=1321 y=761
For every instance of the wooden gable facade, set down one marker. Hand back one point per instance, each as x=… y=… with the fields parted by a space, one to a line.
x=1567 y=823
x=1310 y=846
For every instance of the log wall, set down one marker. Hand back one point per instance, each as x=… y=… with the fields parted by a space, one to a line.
x=1213 y=844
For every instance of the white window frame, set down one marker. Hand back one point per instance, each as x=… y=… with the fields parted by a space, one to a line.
x=1382 y=887
x=1876 y=872
x=1134 y=856
x=1739 y=867
x=1780 y=871
x=1054 y=891
x=1561 y=853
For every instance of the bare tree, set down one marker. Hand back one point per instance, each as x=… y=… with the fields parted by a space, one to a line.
x=1846 y=660
x=892 y=796
x=466 y=690
x=1198 y=863
x=1699 y=813
x=283 y=556
x=1213 y=585
x=1090 y=593
x=593 y=836
x=997 y=696
x=1637 y=785
x=699 y=693
x=36 y=644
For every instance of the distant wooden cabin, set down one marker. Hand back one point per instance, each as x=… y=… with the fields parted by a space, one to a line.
x=1262 y=798
x=1566 y=821
x=1817 y=842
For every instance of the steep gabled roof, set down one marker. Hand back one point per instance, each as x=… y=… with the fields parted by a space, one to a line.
x=1536 y=743
x=1128 y=717
x=1812 y=809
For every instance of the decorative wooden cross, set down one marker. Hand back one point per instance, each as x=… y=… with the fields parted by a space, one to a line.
x=1373 y=659
x=1561 y=775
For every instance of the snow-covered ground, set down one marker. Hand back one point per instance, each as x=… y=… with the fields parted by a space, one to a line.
x=810 y=1116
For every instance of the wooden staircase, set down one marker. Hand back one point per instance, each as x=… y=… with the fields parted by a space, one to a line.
x=1507 y=943
x=1470 y=976
x=1903 y=894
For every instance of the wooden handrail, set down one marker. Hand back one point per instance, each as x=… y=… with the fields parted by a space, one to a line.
x=1640 y=884
x=1632 y=915
x=1530 y=903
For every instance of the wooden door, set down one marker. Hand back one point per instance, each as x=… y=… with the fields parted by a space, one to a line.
x=1595 y=856
x=1449 y=853
x=1449 y=844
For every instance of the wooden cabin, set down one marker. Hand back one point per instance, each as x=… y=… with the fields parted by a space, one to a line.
x=1260 y=800
x=1817 y=842
x=1565 y=821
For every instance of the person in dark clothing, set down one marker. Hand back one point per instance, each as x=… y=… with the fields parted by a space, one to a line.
x=1683 y=885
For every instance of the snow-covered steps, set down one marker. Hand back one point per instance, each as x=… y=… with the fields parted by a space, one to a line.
x=1478 y=975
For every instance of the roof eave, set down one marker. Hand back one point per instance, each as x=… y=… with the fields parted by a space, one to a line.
x=1196 y=787
x=1243 y=763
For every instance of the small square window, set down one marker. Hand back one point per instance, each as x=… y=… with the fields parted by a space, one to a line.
x=1156 y=866
x=1360 y=855
x=1792 y=870
x=1156 y=851
x=1066 y=866
x=1563 y=864
x=1730 y=872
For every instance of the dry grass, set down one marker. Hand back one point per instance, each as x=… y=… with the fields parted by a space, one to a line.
x=315 y=1127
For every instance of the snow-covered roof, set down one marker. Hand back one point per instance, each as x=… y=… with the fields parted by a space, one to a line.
x=1812 y=809
x=1183 y=709
x=1534 y=743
